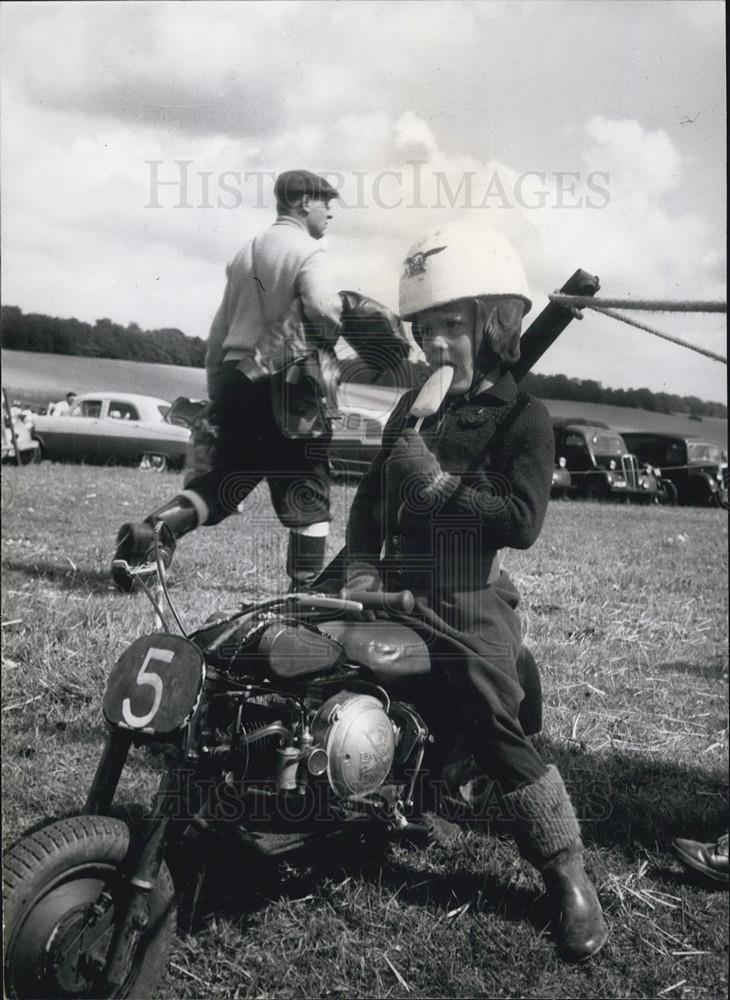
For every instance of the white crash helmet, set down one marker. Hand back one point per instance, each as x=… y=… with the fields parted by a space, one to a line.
x=460 y=260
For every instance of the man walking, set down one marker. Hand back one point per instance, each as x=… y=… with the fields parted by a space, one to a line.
x=282 y=270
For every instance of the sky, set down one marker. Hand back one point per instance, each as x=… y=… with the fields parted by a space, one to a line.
x=140 y=142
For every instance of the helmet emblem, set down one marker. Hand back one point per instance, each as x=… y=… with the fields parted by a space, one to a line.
x=417 y=263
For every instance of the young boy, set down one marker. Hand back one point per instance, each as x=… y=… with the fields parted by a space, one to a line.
x=434 y=509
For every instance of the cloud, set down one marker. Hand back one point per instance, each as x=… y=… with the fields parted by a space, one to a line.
x=164 y=265
x=144 y=64
x=419 y=112
x=217 y=69
x=413 y=136
x=639 y=160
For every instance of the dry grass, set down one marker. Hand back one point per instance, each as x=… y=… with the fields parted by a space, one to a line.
x=626 y=609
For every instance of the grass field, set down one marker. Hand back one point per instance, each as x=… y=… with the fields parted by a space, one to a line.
x=626 y=610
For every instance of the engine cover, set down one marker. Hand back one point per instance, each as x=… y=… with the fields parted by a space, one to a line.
x=358 y=736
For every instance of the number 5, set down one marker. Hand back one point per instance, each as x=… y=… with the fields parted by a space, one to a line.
x=151 y=680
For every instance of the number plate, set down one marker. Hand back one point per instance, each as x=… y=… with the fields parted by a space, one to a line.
x=155 y=684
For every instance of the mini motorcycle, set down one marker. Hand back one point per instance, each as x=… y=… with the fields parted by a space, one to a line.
x=282 y=724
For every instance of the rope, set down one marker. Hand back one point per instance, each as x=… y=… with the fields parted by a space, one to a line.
x=648 y=305
x=658 y=333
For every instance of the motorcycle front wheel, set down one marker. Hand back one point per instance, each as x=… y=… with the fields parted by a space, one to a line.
x=55 y=946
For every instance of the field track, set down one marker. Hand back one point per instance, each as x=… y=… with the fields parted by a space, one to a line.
x=626 y=610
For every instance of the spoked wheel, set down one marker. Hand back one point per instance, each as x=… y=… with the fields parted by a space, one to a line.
x=56 y=940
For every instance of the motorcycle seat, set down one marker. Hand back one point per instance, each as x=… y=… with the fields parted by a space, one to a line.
x=390 y=650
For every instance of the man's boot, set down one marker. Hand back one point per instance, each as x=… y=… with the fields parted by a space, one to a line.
x=136 y=540
x=548 y=836
x=710 y=860
x=304 y=559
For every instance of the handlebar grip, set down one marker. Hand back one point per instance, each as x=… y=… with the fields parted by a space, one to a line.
x=398 y=602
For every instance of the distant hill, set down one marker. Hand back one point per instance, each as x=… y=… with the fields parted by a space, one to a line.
x=624 y=418
x=37 y=378
x=580 y=392
x=589 y=391
x=37 y=333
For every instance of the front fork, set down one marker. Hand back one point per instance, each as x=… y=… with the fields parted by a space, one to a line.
x=141 y=870
x=108 y=772
x=144 y=860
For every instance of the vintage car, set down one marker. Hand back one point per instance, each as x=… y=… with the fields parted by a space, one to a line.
x=600 y=465
x=696 y=469
x=18 y=444
x=114 y=427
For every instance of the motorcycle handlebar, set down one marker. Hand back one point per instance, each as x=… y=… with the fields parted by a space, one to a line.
x=397 y=602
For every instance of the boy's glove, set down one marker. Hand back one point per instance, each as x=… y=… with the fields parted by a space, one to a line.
x=416 y=484
x=410 y=460
x=362 y=576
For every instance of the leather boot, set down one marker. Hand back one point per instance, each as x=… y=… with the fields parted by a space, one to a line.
x=548 y=836
x=304 y=559
x=580 y=928
x=710 y=860
x=135 y=540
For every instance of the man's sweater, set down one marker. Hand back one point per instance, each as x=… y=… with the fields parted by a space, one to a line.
x=280 y=264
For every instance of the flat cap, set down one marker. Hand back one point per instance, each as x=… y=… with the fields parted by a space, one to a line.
x=293 y=184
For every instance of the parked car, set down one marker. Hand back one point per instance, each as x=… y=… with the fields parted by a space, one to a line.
x=600 y=465
x=18 y=443
x=696 y=469
x=114 y=427
x=358 y=430
x=562 y=485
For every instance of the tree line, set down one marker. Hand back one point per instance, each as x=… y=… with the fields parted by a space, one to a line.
x=590 y=391
x=106 y=339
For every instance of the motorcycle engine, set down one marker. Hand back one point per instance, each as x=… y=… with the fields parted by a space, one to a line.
x=358 y=736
